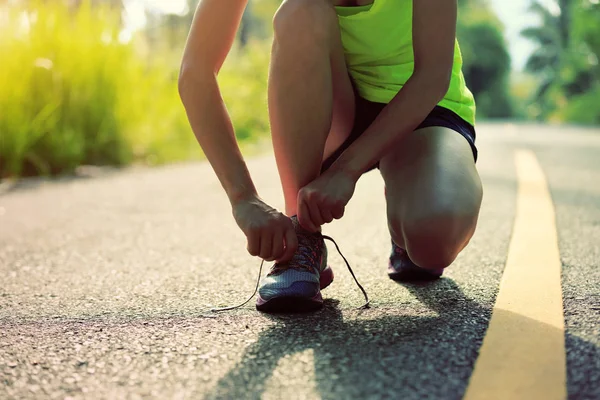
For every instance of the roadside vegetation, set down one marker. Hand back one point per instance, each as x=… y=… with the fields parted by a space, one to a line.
x=76 y=90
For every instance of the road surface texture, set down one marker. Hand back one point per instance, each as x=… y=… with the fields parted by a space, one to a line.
x=106 y=284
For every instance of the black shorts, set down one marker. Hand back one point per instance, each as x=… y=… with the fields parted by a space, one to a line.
x=367 y=111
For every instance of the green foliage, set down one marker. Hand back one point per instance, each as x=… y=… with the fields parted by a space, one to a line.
x=522 y=85
x=72 y=94
x=580 y=71
x=566 y=62
x=43 y=92
x=486 y=59
x=583 y=109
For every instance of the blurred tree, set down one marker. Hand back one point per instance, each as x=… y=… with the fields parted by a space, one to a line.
x=486 y=59
x=551 y=37
x=565 y=60
x=580 y=74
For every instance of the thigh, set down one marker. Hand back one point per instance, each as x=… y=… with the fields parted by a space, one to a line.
x=431 y=176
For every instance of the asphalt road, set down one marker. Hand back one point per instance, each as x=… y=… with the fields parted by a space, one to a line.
x=105 y=283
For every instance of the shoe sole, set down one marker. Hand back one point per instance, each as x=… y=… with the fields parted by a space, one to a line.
x=294 y=304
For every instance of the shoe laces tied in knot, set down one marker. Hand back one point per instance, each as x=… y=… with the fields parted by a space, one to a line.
x=305 y=239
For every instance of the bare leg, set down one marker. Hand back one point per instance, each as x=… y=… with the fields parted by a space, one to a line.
x=311 y=100
x=433 y=194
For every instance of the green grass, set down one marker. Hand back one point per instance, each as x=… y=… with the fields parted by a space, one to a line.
x=71 y=93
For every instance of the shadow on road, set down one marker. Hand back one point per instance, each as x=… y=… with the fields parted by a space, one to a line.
x=398 y=356
x=407 y=356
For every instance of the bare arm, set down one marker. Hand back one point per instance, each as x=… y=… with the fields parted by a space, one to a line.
x=211 y=37
x=270 y=234
x=434 y=35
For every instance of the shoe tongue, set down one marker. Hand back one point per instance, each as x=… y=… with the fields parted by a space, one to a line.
x=307 y=239
x=299 y=229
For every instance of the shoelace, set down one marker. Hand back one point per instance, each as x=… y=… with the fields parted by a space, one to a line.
x=304 y=259
x=364 y=306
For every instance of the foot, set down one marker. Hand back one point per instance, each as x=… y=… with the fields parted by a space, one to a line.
x=402 y=269
x=295 y=286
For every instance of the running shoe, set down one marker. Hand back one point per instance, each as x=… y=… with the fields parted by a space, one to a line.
x=295 y=286
x=402 y=269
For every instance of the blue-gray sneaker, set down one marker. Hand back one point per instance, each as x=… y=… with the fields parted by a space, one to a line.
x=295 y=286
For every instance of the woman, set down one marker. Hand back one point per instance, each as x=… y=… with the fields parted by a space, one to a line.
x=353 y=85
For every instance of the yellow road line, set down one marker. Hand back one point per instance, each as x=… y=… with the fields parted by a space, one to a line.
x=523 y=352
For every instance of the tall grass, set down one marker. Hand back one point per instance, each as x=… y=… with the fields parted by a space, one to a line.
x=71 y=93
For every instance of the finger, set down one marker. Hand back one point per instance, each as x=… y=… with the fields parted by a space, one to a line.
x=326 y=212
x=253 y=242
x=266 y=244
x=337 y=212
x=291 y=244
x=277 y=249
x=315 y=214
x=304 y=217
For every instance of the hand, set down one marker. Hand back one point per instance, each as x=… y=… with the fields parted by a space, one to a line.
x=324 y=199
x=270 y=234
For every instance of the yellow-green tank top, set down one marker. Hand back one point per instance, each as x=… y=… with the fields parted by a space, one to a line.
x=377 y=40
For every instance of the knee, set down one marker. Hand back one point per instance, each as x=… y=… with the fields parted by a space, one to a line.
x=303 y=21
x=435 y=242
